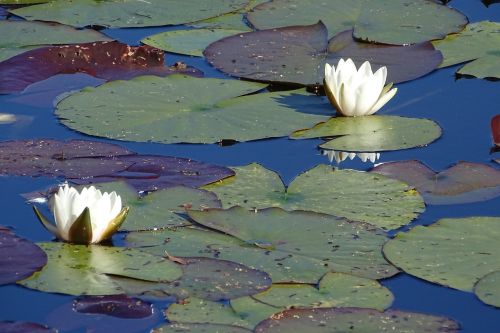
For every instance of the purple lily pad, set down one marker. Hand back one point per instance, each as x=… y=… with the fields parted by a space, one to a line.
x=105 y=60
x=120 y=306
x=24 y=327
x=495 y=129
x=20 y=258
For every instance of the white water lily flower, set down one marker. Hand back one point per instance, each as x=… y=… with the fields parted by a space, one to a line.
x=88 y=217
x=357 y=92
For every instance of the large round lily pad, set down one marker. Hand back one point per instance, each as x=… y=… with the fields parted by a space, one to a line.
x=20 y=258
x=24 y=326
x=340 y=320
x=356 y=195
x=199 y=328
x=280 y=55
x=477 y=43
x=463 y=182
x=383 y=21
x=373 y=133
x=487 y=289
x=128 y=13
x=452 y=252
x=185 y=109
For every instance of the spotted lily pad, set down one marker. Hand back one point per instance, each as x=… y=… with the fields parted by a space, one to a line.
x=488 y=289
x=373 y=133
x=187 y=109
x=452 y=252
x=339 y=320
x=121 y=306
x=91 y=265
x=479 y=43
x=20 y=258
x=24 y=326
x=383 y=21
x=121 y=14
x=280 y=55
x=355 y=195
x=463 y=182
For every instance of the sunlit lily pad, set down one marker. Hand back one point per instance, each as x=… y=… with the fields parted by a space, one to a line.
x=24 y=326
x=120 y=306
x=488 y=289
x=185 y=109
x=280 y=55
x=478 y=42
x=20 y=258
x=383 y=21
x=463 y=182
x=356 y=195
x=135 y=13
x=199 y=328
x=340 y=320
x=452 y=252
x=373 y=133
x=84 y=270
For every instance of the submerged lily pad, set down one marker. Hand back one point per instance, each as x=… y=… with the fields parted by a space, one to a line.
x=91 y=265
x=134 y=13
x=355 y=195
x=121 y=306
x=373 y=133
x=20 y=258
x=383 y=21
x=178 y=109
x=487 y=289
x=24 y=326
x=340 y=320
x=462 y=183
x=451 y=252
x=479 y=43
x=280 y=55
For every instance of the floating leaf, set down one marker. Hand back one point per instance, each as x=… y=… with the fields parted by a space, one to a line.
x=495 y=129
x=20 y=258
x=280 y=55
x=373 y=133
x=383 y=21
x=187 y=109
x=478 y=42
x=121 y=306
x=199 y=328
x=451 y=252
x=488 y=289
x=24 y=326
x=90 y=266
x=356 y=195
x=121 y=14
x=105 y=60
x=464 y=182
x=340 y=320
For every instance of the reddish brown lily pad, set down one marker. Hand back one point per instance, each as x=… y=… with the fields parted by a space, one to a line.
x=495 y=129
x=121 y=306
x=105 y=60
x=462 y=183
x=297 y=55
x=24 y=327
x=20 y=258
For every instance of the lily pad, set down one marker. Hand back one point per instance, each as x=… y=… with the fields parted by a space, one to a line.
x=120 y=306
x=24 y=326
x=199 y=328
x=105 y=60
x=91 y=265
x=479 y=43
x=355 y=195
x=22 y=36
x=373 y=133
x=495 y=129
x=452 y=252
x=382 y=21
x=121 y=14
x=487 y=289
x=178 y=109
x=339 y=320
x=280 y=55
x=462 y=183
x=20 y=258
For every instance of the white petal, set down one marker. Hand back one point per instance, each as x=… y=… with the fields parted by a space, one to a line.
x=368 y=94
x=383 y=100
x=347 y=101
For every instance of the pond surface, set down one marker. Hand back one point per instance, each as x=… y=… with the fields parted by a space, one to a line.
x=462 y=107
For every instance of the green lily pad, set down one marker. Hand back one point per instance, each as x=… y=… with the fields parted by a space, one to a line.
x=22 y=36
x=185 y=109
x=355 y=195
x=462 y=183
x=122 y=13
x=199 y=328
x=479 y=43
x=451 y=252
x=91 y=265
x=487 y=289
x=382 y=21
x=373 y=133
x=340 y=320
x=190 y=42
